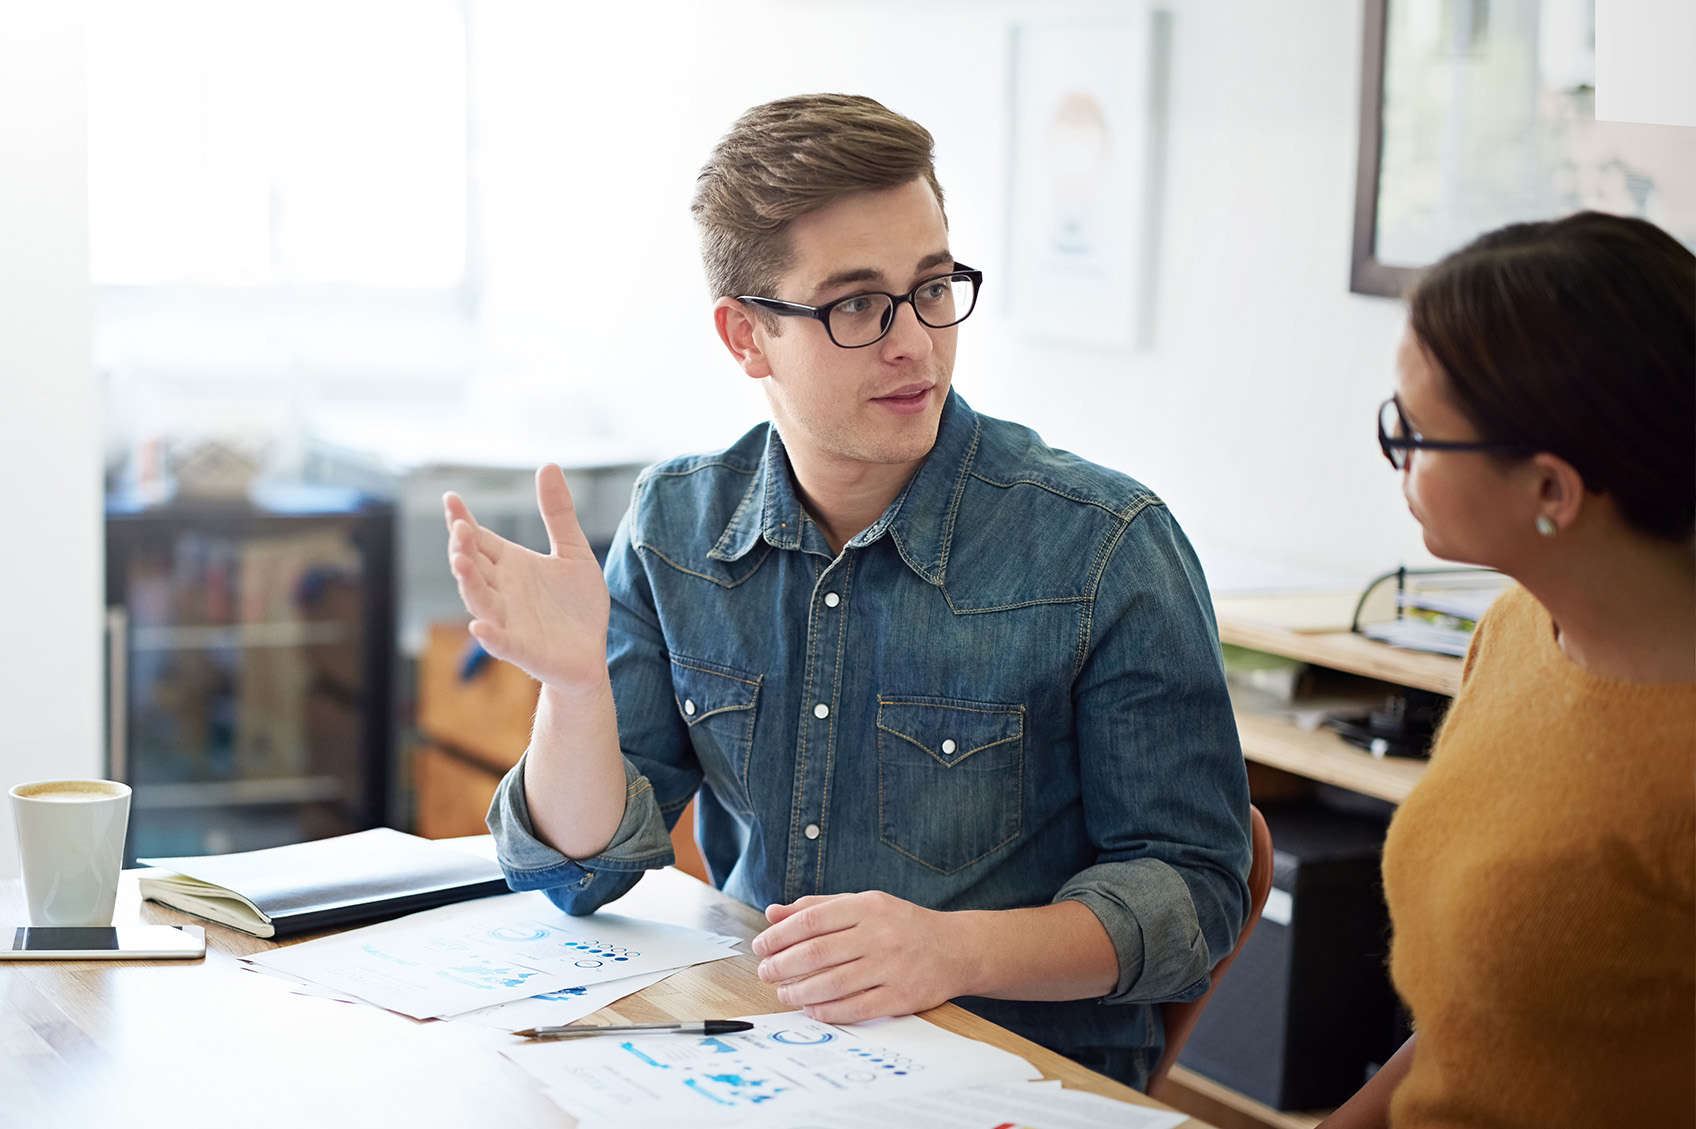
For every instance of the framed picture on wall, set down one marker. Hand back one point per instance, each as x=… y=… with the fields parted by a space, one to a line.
x=1479 y=113
x=1086 y=99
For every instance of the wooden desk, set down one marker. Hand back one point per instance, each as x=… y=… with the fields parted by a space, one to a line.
x=181 y=1044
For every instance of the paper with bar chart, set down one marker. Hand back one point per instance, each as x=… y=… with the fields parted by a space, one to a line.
x=449 y=961
x=787 y=1064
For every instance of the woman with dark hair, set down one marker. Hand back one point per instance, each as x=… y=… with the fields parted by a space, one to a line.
x=1542 y=876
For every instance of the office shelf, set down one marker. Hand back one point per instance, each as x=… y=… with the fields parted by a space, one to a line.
x=1344 y=650
x=1323 y=756
x=286 y=634
x=250 y=666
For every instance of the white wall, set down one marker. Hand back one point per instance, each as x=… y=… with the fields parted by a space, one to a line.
x=1252 y=410
x=50 y=536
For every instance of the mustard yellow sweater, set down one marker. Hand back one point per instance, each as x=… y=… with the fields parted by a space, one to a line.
x=1540 y=881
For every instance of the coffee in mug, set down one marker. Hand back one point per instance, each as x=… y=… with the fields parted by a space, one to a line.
x=71 y=847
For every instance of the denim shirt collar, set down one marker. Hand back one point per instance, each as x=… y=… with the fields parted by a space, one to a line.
x=920 y=520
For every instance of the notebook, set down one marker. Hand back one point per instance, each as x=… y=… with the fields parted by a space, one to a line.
x=302 y=887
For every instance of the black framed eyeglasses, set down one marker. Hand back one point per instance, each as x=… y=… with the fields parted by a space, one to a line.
x=865 y=318
x=1396 y=438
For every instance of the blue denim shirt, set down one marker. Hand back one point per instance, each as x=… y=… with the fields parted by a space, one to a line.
x=1004 y=693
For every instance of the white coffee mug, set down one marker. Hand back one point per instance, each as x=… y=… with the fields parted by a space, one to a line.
x=71 y=845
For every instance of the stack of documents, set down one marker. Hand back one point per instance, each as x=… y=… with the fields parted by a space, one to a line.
x=1436 y=610
x=513 y=959
x=791 y=1071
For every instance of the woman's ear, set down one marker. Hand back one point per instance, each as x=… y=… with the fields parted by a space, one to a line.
x=1561 y=492
x=742 y=335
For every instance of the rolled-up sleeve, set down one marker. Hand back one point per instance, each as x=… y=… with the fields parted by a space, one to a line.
x=1165 y=791
x=579 y=886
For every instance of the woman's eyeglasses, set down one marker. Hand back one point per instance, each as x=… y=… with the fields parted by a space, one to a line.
x=1396 y=438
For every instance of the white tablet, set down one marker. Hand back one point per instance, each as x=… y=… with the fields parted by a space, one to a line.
x=103 y=942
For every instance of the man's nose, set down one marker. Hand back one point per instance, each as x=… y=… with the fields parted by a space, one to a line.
x=908 y=336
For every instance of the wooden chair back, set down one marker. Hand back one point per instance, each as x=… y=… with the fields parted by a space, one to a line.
x=1180 y=1018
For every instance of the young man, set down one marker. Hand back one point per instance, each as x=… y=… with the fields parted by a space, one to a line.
x=951 y=699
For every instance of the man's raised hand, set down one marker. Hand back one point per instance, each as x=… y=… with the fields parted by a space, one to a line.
x=545 y=613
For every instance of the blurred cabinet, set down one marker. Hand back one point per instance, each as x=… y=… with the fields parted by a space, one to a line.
x=250 y=667
x=474 y=716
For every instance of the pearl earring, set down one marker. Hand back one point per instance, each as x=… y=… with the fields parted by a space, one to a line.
x=1546 y=525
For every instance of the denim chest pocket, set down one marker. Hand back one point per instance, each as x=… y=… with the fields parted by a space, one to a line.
x=949 y=778
x=719 y=703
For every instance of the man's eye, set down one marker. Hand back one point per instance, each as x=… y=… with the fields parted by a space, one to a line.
x=858 y=304
x=933 y=291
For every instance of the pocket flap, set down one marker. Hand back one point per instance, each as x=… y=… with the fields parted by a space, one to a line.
x=706 y=689
x=950 y=729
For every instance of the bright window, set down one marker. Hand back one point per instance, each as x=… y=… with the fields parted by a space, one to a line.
x=278 y=143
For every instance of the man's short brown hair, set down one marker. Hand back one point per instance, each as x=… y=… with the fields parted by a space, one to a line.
x=790 y=157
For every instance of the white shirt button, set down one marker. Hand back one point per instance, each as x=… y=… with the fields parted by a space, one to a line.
x=949 y=746
x=811 y=831
x=821 y=711
x=831 y=599
x=689 y=706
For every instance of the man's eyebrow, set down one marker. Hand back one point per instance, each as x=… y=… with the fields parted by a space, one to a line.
x=868 y=274
x=844 y=277
x=940 y=258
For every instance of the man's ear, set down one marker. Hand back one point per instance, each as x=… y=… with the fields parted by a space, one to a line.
x=742 y=335
x=1561 y=492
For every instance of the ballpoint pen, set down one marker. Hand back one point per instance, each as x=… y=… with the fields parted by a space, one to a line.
x=573 y=1030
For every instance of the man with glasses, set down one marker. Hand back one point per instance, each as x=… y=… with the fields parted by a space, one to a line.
x=950 y=700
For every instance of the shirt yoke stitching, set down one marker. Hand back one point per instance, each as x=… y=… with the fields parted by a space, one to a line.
x=710 y=462
x=1086 y=626
x=643 y=546
x=1125 y=513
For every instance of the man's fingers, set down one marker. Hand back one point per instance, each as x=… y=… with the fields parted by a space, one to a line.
x=778 y=911
x=460 y=522
x=874 y=1003
x=455 y=509
x=467 y=537
x=811 y=956
x=833 y=983
x=812 y=916
x=559 y=515
x=494 y=639
x=806 y=958
x=492 y=545
x=475 y=591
